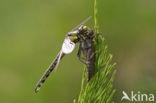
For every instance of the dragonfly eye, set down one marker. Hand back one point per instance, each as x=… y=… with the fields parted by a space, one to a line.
x=85 y=28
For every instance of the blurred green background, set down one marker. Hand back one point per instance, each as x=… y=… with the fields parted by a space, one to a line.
x=32 y=32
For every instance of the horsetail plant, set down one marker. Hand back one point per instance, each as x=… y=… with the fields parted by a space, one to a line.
x=100 y=87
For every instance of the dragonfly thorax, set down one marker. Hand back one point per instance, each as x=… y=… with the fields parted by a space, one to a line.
x=76 y=35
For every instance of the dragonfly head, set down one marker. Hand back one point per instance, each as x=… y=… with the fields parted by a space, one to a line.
x=82 y=29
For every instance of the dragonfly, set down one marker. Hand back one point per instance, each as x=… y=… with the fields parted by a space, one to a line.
x=72 y=37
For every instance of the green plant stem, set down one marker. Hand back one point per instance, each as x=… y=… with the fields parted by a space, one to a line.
x=95 y=17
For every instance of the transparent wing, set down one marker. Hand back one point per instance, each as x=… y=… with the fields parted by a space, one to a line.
x=67 y=46
x=58 y=61
x=81 y=23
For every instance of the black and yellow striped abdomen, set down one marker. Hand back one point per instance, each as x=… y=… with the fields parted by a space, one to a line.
x=47 y=73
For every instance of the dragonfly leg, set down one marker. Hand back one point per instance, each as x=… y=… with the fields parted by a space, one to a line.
x=79 y=53
x=93 y=54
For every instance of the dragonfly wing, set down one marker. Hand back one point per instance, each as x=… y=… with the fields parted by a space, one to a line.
x=68 y=46
x=58 y=60
x=48 y=71
x=81 y=23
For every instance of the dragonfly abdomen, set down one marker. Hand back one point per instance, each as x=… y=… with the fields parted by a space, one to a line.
x=47 y=73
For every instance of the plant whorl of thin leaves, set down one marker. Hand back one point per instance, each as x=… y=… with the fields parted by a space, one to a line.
x=100 y=88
